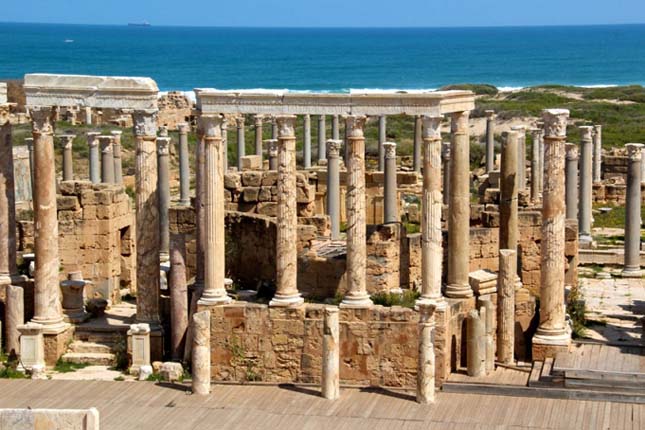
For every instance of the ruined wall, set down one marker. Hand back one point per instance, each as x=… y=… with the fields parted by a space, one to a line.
x=613 y=192
x=174 y=108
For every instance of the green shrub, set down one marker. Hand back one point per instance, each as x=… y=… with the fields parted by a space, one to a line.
x=406 y=299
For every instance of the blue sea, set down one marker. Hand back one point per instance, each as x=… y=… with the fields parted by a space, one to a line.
x=330 y=60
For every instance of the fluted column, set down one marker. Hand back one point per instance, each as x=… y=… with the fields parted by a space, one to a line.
x=258 y=135
x=287 y=220
x=541 y=162
x=597 y=153
x=335 y=127
x=107 y=159
x=67 y=141
x=418 y=143
x=147 y=217
x=241 y=147
x=8 y=267
x=571 y=181
x=506 y=305
x=632 y=268
x=306 y=148
x=333 y=186
x=200 y=215
x=47 y=305
x=553 y=329
x=29 y=141
x=459 y=209
x=535 y=164
x=490 y=140
x=184 y=165
x=214 y=212
x=508 y=200
x=356 y=296
x=586 y=192
x=390 y=204
x=321 y=138
x=116 y=151
x=426 y=362
x=431 y=204
x=95 y=167
x=382 y=137
x=163 y=192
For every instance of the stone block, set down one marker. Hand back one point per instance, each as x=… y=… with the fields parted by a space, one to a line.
x=270 y=178
x=268 y=209
x=171 y=372
x=251 y=162
x=252 y=179
x=483 y=282
x=251 y=194
x=232 y=181
x=67 y=203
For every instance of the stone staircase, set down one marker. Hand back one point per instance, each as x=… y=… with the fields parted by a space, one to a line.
x=96 y=354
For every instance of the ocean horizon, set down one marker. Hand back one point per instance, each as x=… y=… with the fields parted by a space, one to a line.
x=330 y=59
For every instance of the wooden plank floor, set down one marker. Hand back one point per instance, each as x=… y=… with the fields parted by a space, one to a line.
x=144 y=405
x=500 y=376
x=599 y=357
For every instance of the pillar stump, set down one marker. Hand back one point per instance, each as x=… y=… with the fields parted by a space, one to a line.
x=506 y=305
x=476 y=342
x=331 y=355
x=14 y=318
x=426 y=360
x=95 y=167
x=107 y=159
x=272 y=150
x=73 y=298
x=67 y=141
x=201 y=355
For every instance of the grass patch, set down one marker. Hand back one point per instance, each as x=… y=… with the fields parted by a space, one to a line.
x=11 y=373
x=576 y=309
x=67 y=367
x=407 y=299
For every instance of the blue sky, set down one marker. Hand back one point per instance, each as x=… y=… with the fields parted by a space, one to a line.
x=323 y=13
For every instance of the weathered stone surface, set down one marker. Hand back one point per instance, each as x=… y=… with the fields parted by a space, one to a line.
x=201 y=355
x=427 y=366
x=331 y=355
x=45 y=419
x=171 y=371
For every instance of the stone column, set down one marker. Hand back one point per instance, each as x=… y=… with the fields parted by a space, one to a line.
x=274 y=128
x=287 y=220
x=163 y=194
x=333 y=186
x=88 y=115
x=459 y=209
x=47 y=303
x=163 y=131
x=506 y=305
x=331 y=355
x=178 y=296
x=8 y=270
x=571 y=174
x=632 y=268
x=418 y=143
x=306 y=148
x=553 y=330
x=382 y=137
x=390 y=206
x=224 y=134
x=14 y=317
x=74 y=298
x=335 y=127
x=184 y=165
x=486 y=303
x=535 y=164
x=201 y=356
x=426 y=366
x=200 y=215
x=521 y=154
x=214 y=212
x=107 y=159
x=541 y=159
x=116 y=151
x=29 y=141
x=431 y=205
x=321 y=138
x=67 y=141
x=241 y=144
x=508 y=201
x=445 y=158
x=147 y=218
x=476 y=342
x=586 y=192
x=356 y=296
x=597 y=153
x=258 y=135
x=272 y=145
x=95 y=168
x=490 y=140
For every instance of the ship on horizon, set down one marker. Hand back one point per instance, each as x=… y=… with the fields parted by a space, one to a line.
x=139 y=24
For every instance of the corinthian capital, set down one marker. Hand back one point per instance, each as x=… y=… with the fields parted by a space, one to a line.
x=145 y=122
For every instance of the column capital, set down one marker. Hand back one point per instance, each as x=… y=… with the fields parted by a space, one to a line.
x=183 y=128
x=490 y=114
x=92 y=138
x=286 y=125
x=163 y=143
x=634 y=151
x=272 y=145
x=210 y=126
x=42 y=119
x=585 y=132
x=239 y=121
x=333 y=148
x=116 y=133
x=555 y=123
x=390 y=149
x=431 y=127
x=106 y=142
x=258 y=120
x=572 y=152
x=145 y=122
x=67 y=140
x=355 y=125
x=459 y=121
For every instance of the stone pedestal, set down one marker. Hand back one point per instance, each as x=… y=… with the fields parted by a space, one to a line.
x=184 y=165
x=597 y=153
x=306 y=147
x=459 y=209
x=333 y=186
x=14 y=317
x=107 y=159
x=178 y=296
x=116 y=153
x=139 y=343
x=426 y=366
x=476 y=342
x=213 y=206
x=331 y=355
x=382 y=137
x=32 y=346
x=201 y=355
x=67 y=141
x=490 y=140
x=506 y=305
x=390 y=204
x=356 y=296
x=163 y=194
x=418 y=143
x=321 y=139
x=571 y=181
x=241 y=144
x=553 y=333
x=74 y=298
x=95 y=167
x=586 y=192
x=632 y=268
x=257 y=124
x=287 y=220
x=272 y=150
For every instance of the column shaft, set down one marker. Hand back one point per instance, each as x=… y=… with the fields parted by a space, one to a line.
x=116 y=151
x=7 y=201
x=382 y=137
x=506 y=305
x=184 y=165
x=633 y=221
x=445 y=157
x=67 y=141
x=426 y=361
x=335 y=128
x=14 y=317
x=178 y=296
x=597 y=153
x=163 y=191
x=321 y=138
x=95 y=167
x=201 y=356
x=241 y=149
x=107 y=160
x=306 y=148
x=331 y=355
x=333 y=186
x=490 y=140
x=535 y=165
x=508 y=203
x=586 y=192
x=200 y=220
x=476 y=342
x=258 y=135
x=390 y=204
x=571 y=181
x=418 y=143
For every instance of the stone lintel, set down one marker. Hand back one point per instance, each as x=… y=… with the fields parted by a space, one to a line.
x=434 y=103
x=94 y=91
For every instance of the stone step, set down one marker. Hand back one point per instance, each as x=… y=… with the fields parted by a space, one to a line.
x=85 y=347
x=93 y=358
x=110 y=340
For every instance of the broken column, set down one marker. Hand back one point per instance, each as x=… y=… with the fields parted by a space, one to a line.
x=116 y=153
x=107 y=160
x=476 y=342
x=213 y=204
x=321 y=138
x=331 y=354
x=571 y=173
x=88 y=115
x=382 y=137
x=506 y=305
x=184 y=165
x=390 y=204
x=459 y=209
x=258 y=135
x=586 y=192
x=490 y=140
x=163 y=194
x=489 y=323
x=418 y=143
x=201 y=355
x=14 y=317
x=597 y=153
x=632 y=267
x=333 y=186
x=356 y=296
x=552 y=333
x=508 y=200
x=272 y=145
x=287 y=220
x=241 y=145
x=178 y=296
x=67 y=141
x=426 y=361
x=95 y=168
x=431 y=205
x=306 y=148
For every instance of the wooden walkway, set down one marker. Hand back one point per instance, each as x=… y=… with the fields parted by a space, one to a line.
x=500 y=376
x=144 y=405
x=602 y=358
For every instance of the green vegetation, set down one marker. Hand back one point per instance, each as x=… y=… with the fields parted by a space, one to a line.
x=412 y=227
x=407 y=299
x=479 y=89
x=615 y=218
x=154 y=377
x=119 y=378
x=576 y=310
x=67 y=367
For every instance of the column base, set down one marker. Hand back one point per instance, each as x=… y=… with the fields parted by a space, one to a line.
x=439 y=303
x=75 y=316
x=546 y=346
x=586 y=242
x=458 y=291
x=286 y=301
x=213 y=300
x=184 y=202
x=356 y=302
x=632 y=272
x=56 y=339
